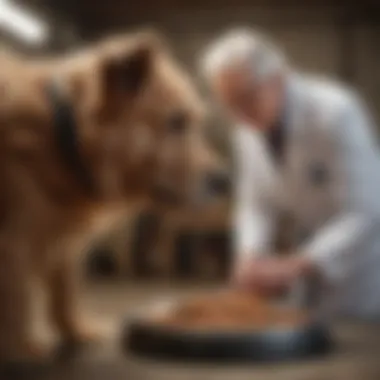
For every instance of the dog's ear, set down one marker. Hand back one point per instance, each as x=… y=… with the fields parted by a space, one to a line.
x=127 y=71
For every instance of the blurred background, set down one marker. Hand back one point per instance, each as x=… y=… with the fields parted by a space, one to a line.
x=333 y=37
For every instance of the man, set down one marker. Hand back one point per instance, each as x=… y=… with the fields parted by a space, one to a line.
x=304 y=145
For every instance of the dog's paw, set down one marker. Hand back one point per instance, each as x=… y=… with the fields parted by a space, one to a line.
x=36 y=350
x=87 y=333
x=83 y=337
x=30 y=352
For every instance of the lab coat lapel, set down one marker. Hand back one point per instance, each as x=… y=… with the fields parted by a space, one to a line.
x=310 y=159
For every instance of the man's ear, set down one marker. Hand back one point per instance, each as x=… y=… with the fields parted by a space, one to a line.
x=126 y=72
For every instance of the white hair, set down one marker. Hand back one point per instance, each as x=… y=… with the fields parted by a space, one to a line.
x=243 y=48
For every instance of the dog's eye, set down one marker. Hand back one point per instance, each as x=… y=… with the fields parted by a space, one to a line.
x=178 y=122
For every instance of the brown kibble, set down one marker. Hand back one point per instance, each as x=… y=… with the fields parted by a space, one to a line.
x=231 y=310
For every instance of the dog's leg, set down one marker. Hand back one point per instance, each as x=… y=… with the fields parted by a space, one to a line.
x=16 y=343
x=64 y=310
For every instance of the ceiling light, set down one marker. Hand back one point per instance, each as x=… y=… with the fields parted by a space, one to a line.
x=21 y=23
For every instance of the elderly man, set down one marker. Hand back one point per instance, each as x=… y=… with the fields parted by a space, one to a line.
x=304 y=145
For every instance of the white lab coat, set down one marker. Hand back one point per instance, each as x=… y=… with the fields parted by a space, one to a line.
x=329 y=181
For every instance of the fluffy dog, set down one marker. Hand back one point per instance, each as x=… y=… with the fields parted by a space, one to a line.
x=81 y=138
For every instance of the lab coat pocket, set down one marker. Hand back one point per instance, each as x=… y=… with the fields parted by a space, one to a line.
x=315 y=183
x=318 y=175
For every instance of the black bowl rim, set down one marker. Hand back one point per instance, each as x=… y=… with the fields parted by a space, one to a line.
x=143 y=337
x=266 y=346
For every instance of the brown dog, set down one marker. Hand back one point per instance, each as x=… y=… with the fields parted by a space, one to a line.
x=82 y=138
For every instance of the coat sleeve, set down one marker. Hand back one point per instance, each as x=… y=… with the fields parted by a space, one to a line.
x=341 y=245
x=252 y=220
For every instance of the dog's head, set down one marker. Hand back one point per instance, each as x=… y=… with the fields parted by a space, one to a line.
x=142 y=122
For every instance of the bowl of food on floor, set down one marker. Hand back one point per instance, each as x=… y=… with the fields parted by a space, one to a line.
x=226 y=325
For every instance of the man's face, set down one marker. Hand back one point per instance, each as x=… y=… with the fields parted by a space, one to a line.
x=256 y=103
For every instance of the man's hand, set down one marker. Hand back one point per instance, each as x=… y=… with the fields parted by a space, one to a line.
x=271 y=276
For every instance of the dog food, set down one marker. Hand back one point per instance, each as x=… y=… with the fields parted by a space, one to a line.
x=230 y=310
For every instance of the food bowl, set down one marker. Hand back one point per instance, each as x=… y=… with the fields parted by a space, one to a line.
x=151 y=333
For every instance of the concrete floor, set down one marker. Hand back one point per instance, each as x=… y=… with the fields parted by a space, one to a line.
x=355 y=358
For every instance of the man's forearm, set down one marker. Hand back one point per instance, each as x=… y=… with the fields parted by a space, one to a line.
x=253 y=231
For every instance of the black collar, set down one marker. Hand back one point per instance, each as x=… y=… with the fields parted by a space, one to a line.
x=66 y=136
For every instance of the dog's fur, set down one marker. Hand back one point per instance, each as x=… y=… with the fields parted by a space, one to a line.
x=138 y=118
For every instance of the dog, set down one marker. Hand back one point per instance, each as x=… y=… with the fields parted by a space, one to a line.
x=82 y=138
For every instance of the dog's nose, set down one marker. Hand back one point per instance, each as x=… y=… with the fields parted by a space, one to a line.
x=165 y=194
x=218 y=183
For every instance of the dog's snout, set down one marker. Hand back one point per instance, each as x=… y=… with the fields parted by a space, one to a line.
x=166 y=194
x=218 y=183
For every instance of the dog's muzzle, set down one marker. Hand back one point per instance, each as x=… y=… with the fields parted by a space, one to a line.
x=167 y=195
x=217 y=183
x=212 y=185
